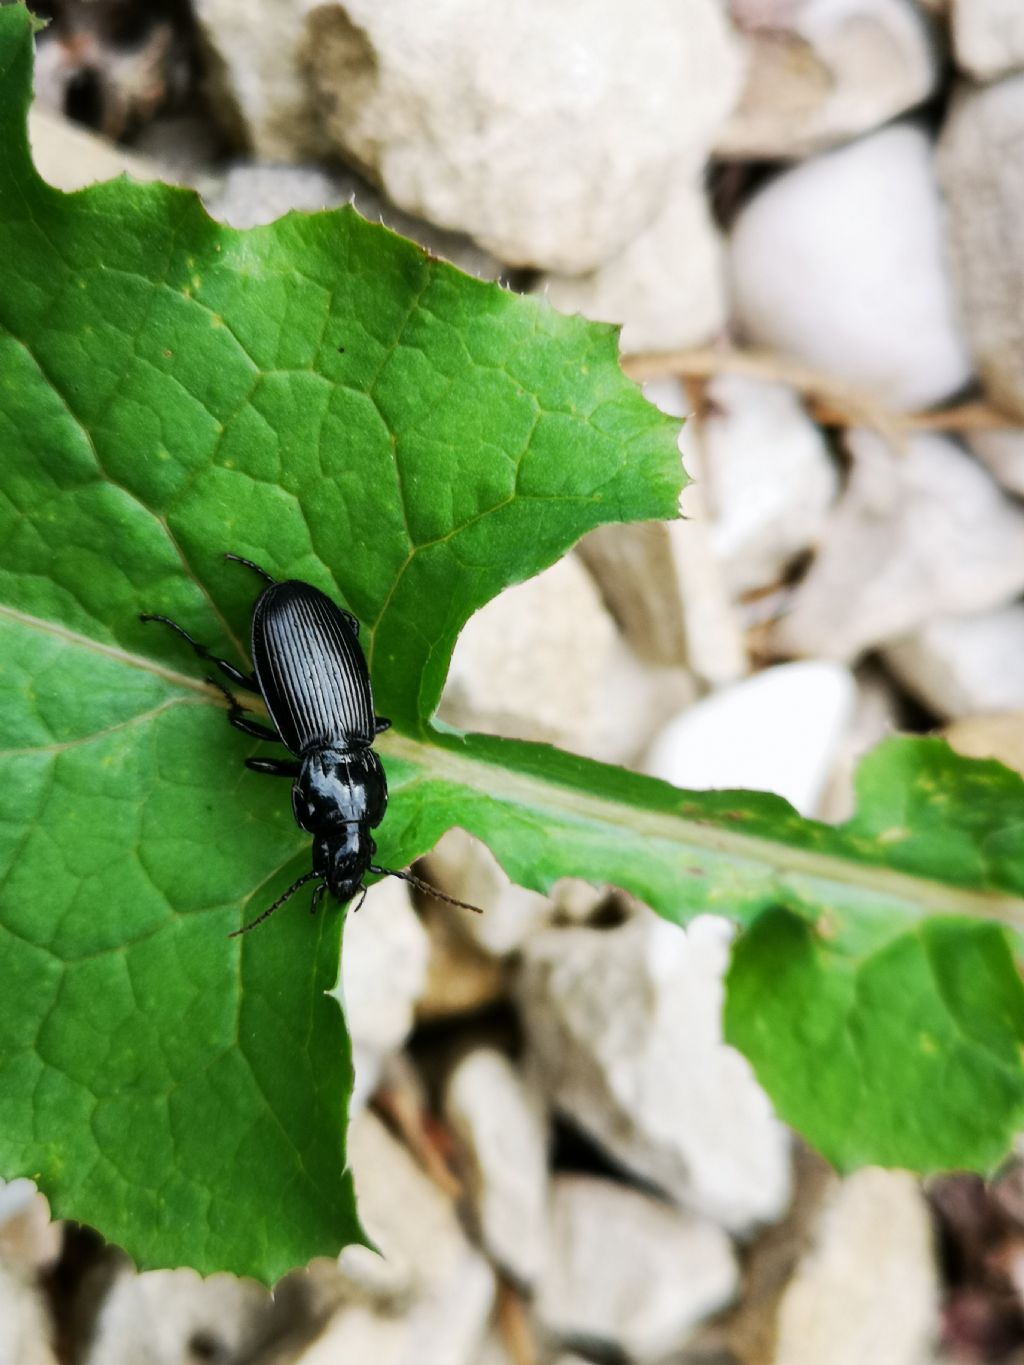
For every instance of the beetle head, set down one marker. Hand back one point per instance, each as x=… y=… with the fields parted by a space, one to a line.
x=342 y=858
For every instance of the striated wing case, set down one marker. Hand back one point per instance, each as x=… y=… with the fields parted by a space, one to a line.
x=311 y=669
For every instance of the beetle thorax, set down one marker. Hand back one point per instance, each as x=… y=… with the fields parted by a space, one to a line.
x=339 y=787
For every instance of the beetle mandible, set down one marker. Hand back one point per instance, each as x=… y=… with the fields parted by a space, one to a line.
x=309 y=669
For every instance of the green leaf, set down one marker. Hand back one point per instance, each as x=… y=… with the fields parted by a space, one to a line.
x=888 y=1043
x=933 y=1011
x=322 y=397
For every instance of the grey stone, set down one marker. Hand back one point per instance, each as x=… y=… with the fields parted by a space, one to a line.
x=69 y=157
x=545 y=661
x=28 y=1239
x=26 y=1332
x=994 y=734
x=256 y=78
x=822 y=73
x=465 y=868
x=663 y=581
x=1002 y=452
x=981 y=166
x=431 y=1298
x=628 y=1271
x=548 y=133
x=919 y=534
x=779 y=731
x=868 y=1288
x=623 y=1030
x=841 y=263
x=501 y=1125
x=667 y=286
x=988 y=36
x=384 y=959
x=959 y=665
x=156 y=1317
x=768 y=479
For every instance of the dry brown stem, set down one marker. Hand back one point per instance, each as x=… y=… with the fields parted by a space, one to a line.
x=831 y=401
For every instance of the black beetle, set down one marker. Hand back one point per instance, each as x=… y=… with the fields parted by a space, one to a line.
x=309 y=669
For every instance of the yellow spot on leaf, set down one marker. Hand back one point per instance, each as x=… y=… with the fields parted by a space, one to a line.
x=894 y=835
x=827 y=925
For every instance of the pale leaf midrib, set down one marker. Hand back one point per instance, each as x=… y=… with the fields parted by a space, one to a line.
x=815 y=872
x=113 y=652
x=787 y=862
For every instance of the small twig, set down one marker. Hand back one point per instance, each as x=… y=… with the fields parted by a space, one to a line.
x=832 y=401
x=514 y=1326
x=963 y=417
x=421 y=1135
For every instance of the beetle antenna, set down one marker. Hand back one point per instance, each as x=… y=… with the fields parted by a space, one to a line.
x=250 y=565
x=306 y=877
x=424 y=886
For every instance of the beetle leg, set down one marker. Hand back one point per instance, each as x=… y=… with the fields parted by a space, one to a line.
x=240 y=719
x=276 y=767
x=240 y=679
x=250 y=565
x=352 y=620
x=318 y=895
x=380 y=724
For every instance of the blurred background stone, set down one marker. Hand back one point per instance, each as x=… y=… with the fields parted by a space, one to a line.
x=917 y=535
x=524 y=127
x=667 y=285
x=30 y=1247
x=958 y=665
x=465 y=868
x=553 y=1146
x=26 y=1332
x=384 y=960
x=651 y=1080
x=778 y=731
x=28 y=1239
x=69 y=157
x=994 y=734
x=501 y=1125
x=111 y=65
x=171 y=1317
x=255 y=76
x=842 y=264
x=825 y=71
x=867 y=1289
x=982 y=170
x=764 y=510
x=988 y=36
x=461 y=976
x=629 y=1272
x=544 y=661
x=1002 y=451
x=434 y=1299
